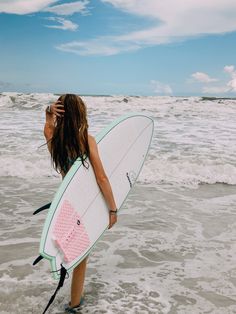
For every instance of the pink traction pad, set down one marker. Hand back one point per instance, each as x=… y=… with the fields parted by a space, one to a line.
x=69 y=233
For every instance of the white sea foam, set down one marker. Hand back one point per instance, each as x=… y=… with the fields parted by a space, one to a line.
x=5 y=101
x=187 y=173
x=193 y=143
x=158 y=171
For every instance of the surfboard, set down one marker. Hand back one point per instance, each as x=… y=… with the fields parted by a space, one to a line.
x=78 y=215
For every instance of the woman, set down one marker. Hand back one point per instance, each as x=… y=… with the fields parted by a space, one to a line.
x=66 y=132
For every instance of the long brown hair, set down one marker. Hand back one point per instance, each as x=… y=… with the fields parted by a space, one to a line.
x=70 y=137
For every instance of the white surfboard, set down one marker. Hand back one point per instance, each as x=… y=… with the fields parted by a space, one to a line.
x=78 y=215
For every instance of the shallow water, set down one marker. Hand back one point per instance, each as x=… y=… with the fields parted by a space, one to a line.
x=173 y=250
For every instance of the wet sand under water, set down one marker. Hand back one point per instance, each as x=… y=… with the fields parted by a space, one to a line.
x=173 y=251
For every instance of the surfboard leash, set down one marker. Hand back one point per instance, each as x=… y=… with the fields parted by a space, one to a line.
x=63 y=273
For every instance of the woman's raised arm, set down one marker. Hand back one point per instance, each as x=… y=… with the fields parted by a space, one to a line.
x=56 y=109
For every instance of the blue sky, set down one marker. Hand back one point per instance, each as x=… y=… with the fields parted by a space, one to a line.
x=128 y=47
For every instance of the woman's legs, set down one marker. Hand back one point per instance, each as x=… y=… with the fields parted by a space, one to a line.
x=77 y=282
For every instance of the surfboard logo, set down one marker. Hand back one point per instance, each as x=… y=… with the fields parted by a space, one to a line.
x=131 y=176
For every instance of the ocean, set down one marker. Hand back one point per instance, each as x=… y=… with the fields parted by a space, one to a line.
x=173 y=249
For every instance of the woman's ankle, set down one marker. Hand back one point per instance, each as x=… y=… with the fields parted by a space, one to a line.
x=77 y=302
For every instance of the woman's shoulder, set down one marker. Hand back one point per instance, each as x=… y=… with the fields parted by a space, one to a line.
x=91 y=140
x=93 y=149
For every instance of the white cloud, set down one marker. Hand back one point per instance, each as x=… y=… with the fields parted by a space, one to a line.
x=161 y=88
x=97 y=47
x=33 y=6
x=229 y=68
x=203 y=77
x=69 y=8
x=63 y=24
x=232 y=85
x=175 y=20
x=228 y=87
x=24 y=6
x=215 y=89
x=232 y=72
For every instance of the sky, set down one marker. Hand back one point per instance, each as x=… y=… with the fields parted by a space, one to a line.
x=119 y=47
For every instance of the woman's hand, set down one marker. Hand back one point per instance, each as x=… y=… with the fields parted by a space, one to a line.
x=57 y=108
x=112 y=218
